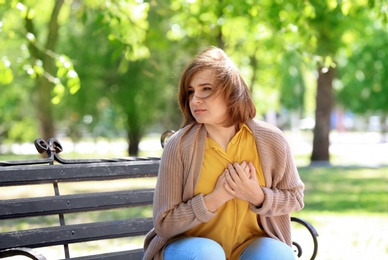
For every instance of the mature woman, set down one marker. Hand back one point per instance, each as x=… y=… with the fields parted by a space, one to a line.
x=227 y=183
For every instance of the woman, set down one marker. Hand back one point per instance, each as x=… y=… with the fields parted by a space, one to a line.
x=226 y=183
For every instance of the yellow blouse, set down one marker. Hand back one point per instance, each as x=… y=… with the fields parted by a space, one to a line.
x=235 y=225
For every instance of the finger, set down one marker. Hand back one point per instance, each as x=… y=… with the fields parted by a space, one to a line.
x=252 y=170
x=240 y=171
x=244 y=164
x=229 y=180
x=233 y=173
x=228 y=188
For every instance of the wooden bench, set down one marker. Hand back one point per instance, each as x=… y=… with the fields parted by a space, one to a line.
x=63 y=230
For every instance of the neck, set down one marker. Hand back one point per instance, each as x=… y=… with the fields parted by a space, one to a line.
x=222 y=135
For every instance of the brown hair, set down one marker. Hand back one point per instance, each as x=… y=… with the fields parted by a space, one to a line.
x=229 y=83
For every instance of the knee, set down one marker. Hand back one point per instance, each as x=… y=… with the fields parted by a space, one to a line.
x=278 y=249
x=268 y=248
x=194 y=248
x=208 y=249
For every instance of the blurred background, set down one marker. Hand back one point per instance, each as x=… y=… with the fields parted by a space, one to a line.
x=101 y=76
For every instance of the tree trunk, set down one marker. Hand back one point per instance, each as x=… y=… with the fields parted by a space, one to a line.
x=220 y=36
x=384 y=127
x=43 y=84
x=44 y=108
x=324 y=102
x=133 y=144
x=254 y=65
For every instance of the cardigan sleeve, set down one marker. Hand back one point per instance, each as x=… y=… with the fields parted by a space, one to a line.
x=284 y=188
x=173 y=215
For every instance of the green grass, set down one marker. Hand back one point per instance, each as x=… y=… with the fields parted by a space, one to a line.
x=349 y=209
x=347 y=236
x=346 y=189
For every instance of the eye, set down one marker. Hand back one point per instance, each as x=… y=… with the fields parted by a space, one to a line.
x=206 y=91
x=190 y=92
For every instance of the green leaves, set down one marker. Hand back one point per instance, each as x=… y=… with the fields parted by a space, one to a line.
x=363 y=76
x=126 y=22
x=6 y=75
x=66 y=72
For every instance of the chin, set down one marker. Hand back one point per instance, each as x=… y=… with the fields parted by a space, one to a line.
x=198 y=120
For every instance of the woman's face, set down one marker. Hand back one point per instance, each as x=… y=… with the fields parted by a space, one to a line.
x=206 y=108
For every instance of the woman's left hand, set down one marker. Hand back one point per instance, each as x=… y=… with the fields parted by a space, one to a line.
x=242 y=183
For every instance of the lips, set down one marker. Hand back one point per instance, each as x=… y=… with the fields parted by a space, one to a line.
x=198 y=111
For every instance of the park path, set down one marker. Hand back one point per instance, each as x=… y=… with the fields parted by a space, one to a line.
x=346 y=149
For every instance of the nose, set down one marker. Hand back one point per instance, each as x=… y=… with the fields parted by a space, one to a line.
x=196 y=99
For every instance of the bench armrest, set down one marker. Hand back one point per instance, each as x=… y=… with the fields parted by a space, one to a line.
x=28 y=252
x=313 y=233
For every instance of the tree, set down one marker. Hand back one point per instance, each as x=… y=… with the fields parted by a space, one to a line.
x=16 y=119
x=321 y=27
x=363 y=77
x=130 y=83
x=40 y=61
x=146 y=88
x=54 y=74
x=129 y=77
x=330 y=21
x=43 y=56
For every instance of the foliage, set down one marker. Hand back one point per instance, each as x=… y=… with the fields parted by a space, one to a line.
x=16 y=119
x=115 y=19
x=363 y=85
x=14 y=31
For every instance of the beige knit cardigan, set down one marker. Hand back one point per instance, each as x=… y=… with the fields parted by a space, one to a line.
x=177 y=210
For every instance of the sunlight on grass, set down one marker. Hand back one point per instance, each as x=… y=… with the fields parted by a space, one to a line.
x=346 y=189
x=349 y=236
x=349 y=209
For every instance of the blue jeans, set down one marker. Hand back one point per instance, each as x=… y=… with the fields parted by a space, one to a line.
x=198 y=248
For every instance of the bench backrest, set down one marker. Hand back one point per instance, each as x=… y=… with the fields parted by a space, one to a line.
x=90 y=200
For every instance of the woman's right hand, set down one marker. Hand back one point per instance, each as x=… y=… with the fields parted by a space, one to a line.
x=219 y=195
x=220 y=187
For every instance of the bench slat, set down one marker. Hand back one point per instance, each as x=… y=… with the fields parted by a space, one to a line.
x=77 y=172
x=28 y=207
x=135 y=254
x=42 y=237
